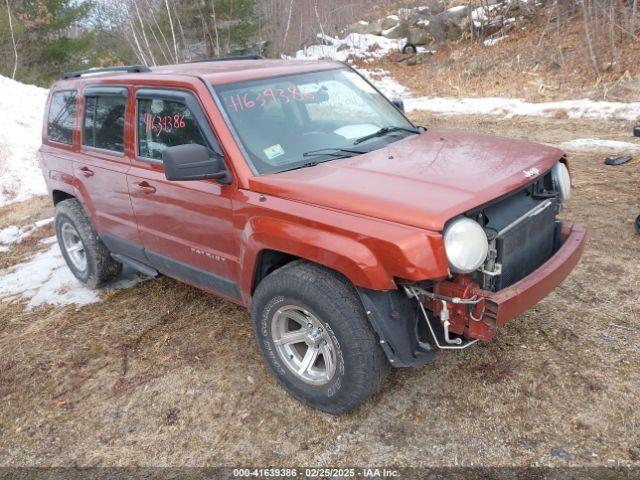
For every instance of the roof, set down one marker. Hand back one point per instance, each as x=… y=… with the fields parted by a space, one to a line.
x=218 y=72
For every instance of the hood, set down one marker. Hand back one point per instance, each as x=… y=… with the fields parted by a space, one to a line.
x=423 y=180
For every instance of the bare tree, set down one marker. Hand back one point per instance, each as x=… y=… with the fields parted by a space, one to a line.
x=182 y=35
x=150 y=9
x=286 y=31
x=144 y=35
x=215 y=28
x=315 y=9
x=13 y=41
x=173 y=33
x=586 y=17
x=140 y=52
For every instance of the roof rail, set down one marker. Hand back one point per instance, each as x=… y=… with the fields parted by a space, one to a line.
x=230 y=57
x=128 y=69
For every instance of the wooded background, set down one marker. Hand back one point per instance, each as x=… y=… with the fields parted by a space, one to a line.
x=41 y=39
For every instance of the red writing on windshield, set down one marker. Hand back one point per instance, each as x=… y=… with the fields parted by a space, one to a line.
x=161 y=123
x=247 y=101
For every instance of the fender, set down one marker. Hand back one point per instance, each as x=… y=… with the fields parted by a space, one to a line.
x=338 y=252
x=83 y=196
x=57 y=167
x=389 y=310
x=356 y=246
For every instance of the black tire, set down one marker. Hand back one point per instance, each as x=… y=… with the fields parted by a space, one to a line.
x=361 y=365
x=638 y=224
x=101 y=268
x=409 y=48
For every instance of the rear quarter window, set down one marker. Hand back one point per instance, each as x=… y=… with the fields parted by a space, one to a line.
x=62 y=113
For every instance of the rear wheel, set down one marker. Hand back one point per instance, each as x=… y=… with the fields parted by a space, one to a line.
x=315 y=336
x=86 y=256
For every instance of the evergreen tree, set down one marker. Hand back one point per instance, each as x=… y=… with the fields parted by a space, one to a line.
x=49 y=37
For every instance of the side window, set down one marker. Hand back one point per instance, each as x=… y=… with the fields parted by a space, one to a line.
x=165 y=123
x=104 y=122
x=61 y=117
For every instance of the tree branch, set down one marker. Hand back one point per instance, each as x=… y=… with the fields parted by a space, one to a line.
x=13 y=41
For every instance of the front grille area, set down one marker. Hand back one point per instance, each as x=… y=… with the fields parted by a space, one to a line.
x=525 y=247
x=523 y=233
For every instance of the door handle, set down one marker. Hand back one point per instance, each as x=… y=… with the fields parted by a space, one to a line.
x=145 y=187
x=87 y=172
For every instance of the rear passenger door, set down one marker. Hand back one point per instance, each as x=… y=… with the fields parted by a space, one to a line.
x=102 y=165
x=186 y=227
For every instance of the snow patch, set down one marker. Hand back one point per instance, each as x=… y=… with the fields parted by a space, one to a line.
x=363 y=46
x=509 y=107
x=355 y=44
x=481 y=14
x=386 y=83
x=11 y=234
x=49 y=240
x=588 y=144
x=46 y=279
x=20 y=176
x=389 y=30
x=490 y=42
x=14 y=234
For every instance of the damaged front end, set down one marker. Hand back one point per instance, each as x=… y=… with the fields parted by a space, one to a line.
x=457 y=312
x=466 y=312
x=529 y=253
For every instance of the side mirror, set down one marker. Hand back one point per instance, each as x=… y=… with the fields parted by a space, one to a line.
x=192 y=162
x=398 y=103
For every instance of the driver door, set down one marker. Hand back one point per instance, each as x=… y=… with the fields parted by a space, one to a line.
x=185 y=226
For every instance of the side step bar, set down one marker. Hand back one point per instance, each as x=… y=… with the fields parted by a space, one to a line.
x=136 y=265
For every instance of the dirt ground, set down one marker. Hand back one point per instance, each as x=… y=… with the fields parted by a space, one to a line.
x=163 y=374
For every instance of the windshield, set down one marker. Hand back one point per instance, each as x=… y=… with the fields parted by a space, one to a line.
x=282 y=122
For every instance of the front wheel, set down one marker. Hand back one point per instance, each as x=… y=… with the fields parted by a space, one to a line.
x=315 y=336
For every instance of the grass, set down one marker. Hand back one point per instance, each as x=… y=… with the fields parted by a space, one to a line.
x=164 y=374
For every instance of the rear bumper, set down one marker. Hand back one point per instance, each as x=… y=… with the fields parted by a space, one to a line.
x=506 y=304
x=497 y=308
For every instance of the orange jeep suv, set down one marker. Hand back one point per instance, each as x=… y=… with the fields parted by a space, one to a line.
x=357 y=239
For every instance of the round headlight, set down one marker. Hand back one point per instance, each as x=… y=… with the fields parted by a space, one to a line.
x=562 y=180
x=466 y=245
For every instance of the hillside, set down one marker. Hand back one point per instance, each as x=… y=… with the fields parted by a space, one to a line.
x=506 y=49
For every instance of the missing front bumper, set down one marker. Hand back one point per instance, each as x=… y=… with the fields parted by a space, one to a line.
x=466 y=311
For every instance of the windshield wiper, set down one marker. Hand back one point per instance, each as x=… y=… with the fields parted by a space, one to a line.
x=385 y=131
x=304 y=165
x=333 y=151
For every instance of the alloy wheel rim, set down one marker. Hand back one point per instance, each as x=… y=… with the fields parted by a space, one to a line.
x=304 y=345
x=73 y=246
